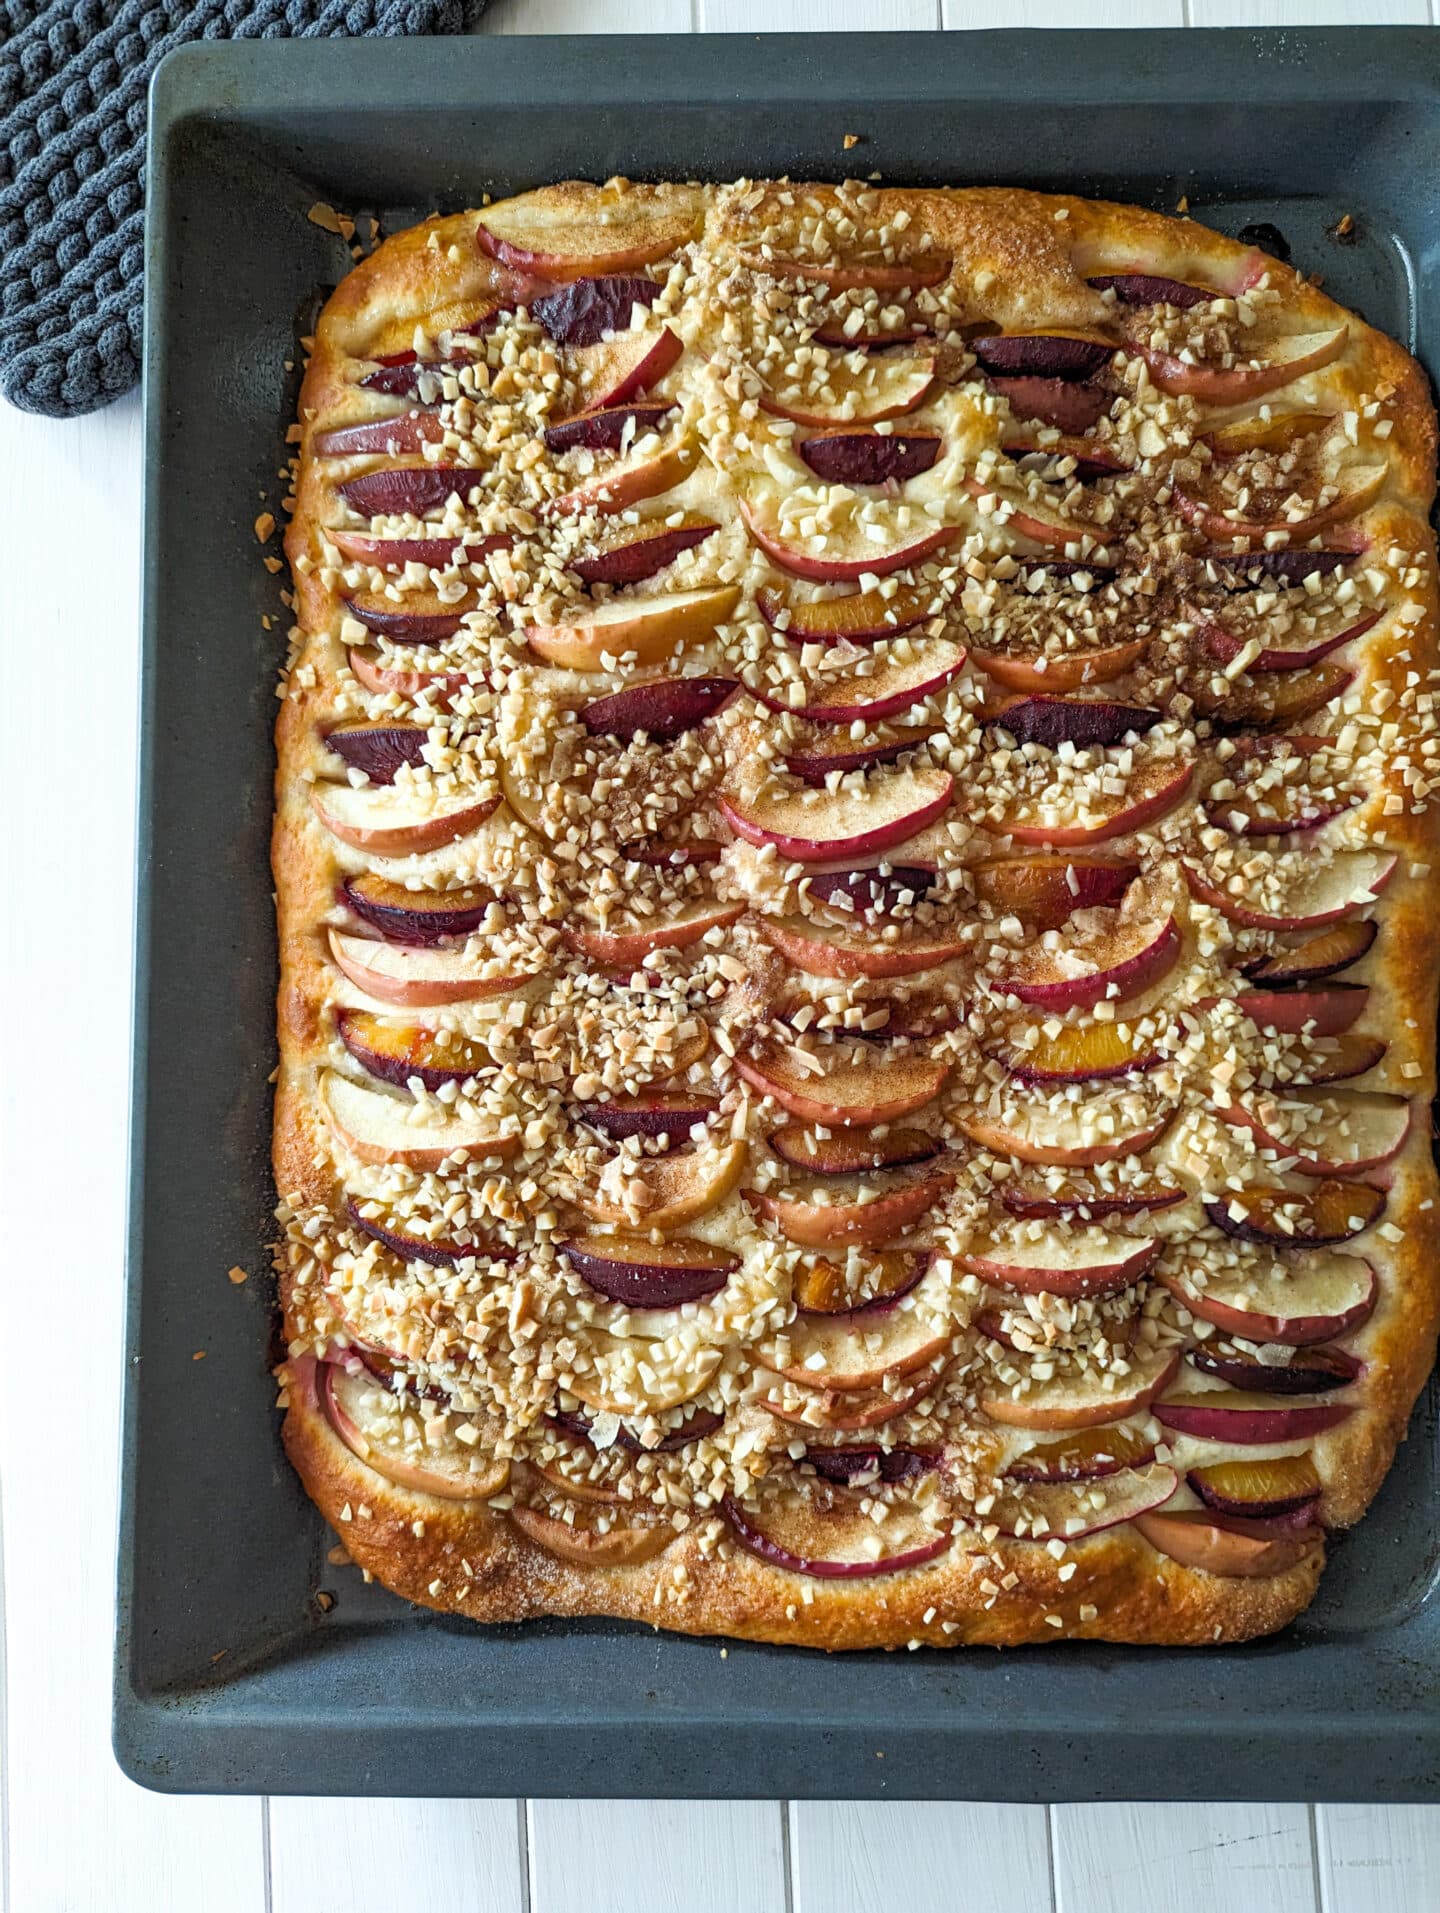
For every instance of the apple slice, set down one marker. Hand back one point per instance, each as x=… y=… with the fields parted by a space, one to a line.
x=639 y=551
x=835 y=754
x=1153 y=289
x=638 y=1376
x=418 y=1248
x=404 y=432
x=1069 y=1510
x=1273 y=701
x=1315 y=1371
x=1039 y=672
x=830 y=1533
x=1066 y=1400
x=826 y=827
x=676 y=1189
x=425 y=917
x=847 y=566
x=377 y=1127
x=820 y=953
x=1330 y=889
x=1261 y=1488
x=1222 y=1544
x=1074 y=1196
x=1216 y=523
x=435 y=553
x=406 y=627
x=1319 y=1012
x=1087 y=723
x=859 y=1349
x=1044 y=891
x=1083 y=1052
x=861 y=617
x=1253 y=1420
x=1154 y=789
x=1324 y=953
x=1043 y=355
x=630 y=948
x=1087 y=1455
x=442 y=687
x=417 y=978
x=391 y=824
x=617 y=487
x=1309 y=1295
x=398 y=1052
x=1332 y=1059
x=875 y=890
x=1070 y=405
x=885 y=690
x=843 y=456
x=1244 y=384
x=649 y=630
x=669 y=1113
x=407 y=491
x=582 y=311
x=853 y=1150
x=619 y=369
x=641 y=1274
x=1017 y=517
x=878 y=271
x=1073 y=1136
x=822 y=1225
x=1342 y=1133
x=586 y=232
x=1123 y=961
x=1311 y=1218
x=1275 y=433
x=604 y=429
x=661 y=710
x=593 y=1537
x=1225 y=645
x=858 y=1087
x=1086 y=1263
x=845 y=1409
x=421 y=1454
x=836 y=391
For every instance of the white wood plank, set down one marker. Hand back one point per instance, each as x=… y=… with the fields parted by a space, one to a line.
x=586 y=16
x=1113 y=1858
x=1308 y=13
x=645 y=1856
x=1378 y=1859
x=80 y=1836
x=372 y=1856
x=1065 y=13
x=817 y=16
x=956 y=1857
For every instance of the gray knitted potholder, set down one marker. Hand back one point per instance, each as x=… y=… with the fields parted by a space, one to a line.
x=73 y=79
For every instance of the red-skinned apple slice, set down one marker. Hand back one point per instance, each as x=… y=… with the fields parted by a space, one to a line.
x=621 y=947
x=877 y=271
x=680 y=1188
x=1224 y=645
x=662 y=710
x=1329 y=891
x=617 y=370
x=1044 y=891
x=835 y=566
x=592 y=1537
x=830 y=827
x=860 y=1087
x=1040 y=674
x=416 y=978
x=440 y=686
x=651 y=630
x=1222 y=1544
x=1074 y=1137
x=1316 y=1371
x=1090 y=1263
x=1319 y=1012
x=670 y=1113
x=1243 y=384
x=1068 y=404
x=1272 y=701
x=640 y=1274
x=1314 y=1217
x=639 y=551
x=626 y=483
x=1128 y=958
x=844 y=1409
x=542 y=240
x=391 y=825
x=850 y=1352
x=861 y=617
x=365 y=1416
x=1348 y=1133
x=1261 y=1488
x=852 y=1151
x=822 y=1225
x=1154 y=789
x=829 y=1533
x=1228 y=1416
x=1071 y=1510
x=882 y=692
x=1307 y=1296
x=435 y=553
x=1017 y=517
x=375 y=1128
x=1066 y=1401
x=845 y=457
x=1360 y=493
x=820 y=952
x=404 y=432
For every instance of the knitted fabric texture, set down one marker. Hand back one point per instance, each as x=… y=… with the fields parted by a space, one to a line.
x=73 y=80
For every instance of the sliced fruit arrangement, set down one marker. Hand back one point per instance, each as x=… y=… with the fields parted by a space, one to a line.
x=1099 y=814
x=823 y=1218
x=1272 y=786
x=825 y=559
x=1045 y=891
x=1043 y=673
x=637 y=552
x=1087 y=1455
x=1228 y=1415
x=422 y=1454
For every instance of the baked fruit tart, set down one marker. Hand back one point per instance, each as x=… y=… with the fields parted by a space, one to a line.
x=855 y=876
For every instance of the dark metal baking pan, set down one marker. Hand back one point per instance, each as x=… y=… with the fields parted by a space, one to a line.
x=228 y=1674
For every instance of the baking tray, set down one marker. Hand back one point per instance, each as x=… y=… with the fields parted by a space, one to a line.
x=230 y=1675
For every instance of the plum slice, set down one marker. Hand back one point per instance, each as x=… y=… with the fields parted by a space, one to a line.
x=1329 y=1212
x=1263 y=1487
x=852 y=1150
x=397 y=491
x=582 y=311
x=1042 y=355
x=409 y=432
x=605 y=430
x=828 y=1533
x=860 y=617
x=1310 y=1296
x=419 y=1248
x=1087 y=463
x=815 y=763
x=1152 y=289
x=641 y=1274
x=399 y=1052
x=669 y=1113
x=1275 y=785
x=1087 y=723
x=405 y=627
x=697 y=1425
x=379 y=750
x=1087 y=1455
x=886 y=1276
x=1073 y=1196
x=1082 y=1052
x=863 y=1464
x=842 y=457
x=1285 y=567
x=1310 y=1371
x=424 y=917
x=407 y=377
x=663 y=709
x=1069 y=405
x=639 y=551
x=1323 y=953
x=1044 y=891
x=1227 y=1544
x=879 y=891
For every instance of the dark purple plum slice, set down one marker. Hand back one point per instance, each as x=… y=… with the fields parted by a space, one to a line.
x=876 y=1464
x=1069 y=406
x=1288 y=567
x=662 y=710
x=378 y=749
x=406 y=627
x=693 y=1271
x=870 y=458
x=656 y=1114
x=1152 y=289
x=424 y=917
x=584 y=310
x=1041 y=355
x=603 y=431
x=640 y=556
x=876 y=893
x=1087 y=723
x=695 y=1427
x=401 y=490
x=1310 y=1371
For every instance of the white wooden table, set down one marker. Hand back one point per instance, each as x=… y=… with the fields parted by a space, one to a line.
x=79 y=1837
